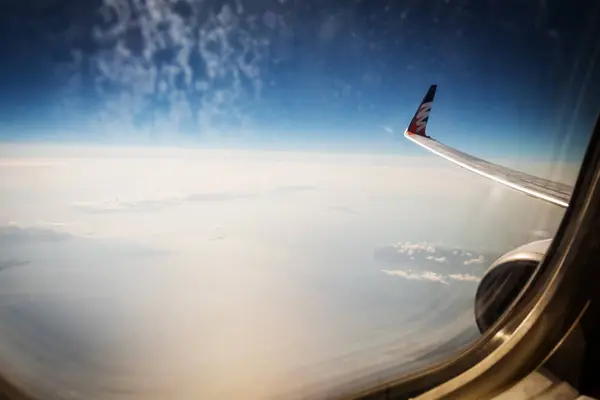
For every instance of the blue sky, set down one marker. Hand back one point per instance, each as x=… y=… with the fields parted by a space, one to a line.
x=514 y=79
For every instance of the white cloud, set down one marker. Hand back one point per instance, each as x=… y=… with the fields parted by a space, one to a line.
x=464 y=277
x=446 y=263
x=435 y=277
x=436 y=259
x=429 y=262
x=431 y=276
x=478 y=260
x=411 y=248
x=418 y=276
x=202 y=67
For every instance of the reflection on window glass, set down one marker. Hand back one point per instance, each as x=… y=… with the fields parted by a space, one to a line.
x=214 y=199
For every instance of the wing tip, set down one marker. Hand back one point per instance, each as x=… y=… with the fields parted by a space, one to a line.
x=418 y=124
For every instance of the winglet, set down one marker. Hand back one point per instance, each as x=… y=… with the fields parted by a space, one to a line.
x=418 y=124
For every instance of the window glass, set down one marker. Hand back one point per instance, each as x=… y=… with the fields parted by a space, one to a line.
x=215 y=199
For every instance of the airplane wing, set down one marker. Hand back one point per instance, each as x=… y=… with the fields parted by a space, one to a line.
x=553 y=192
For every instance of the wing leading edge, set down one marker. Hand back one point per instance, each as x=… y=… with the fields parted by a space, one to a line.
x=553 y=192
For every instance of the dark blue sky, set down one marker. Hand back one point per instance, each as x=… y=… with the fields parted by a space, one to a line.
x=515 y=78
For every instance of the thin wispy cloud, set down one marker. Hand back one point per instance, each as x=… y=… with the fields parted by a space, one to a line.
x=436 y=259
x=426 y=261
x=478 y=260
x=431 y=276
x=411 y=248
x=417 y=276
x=199 y=73
x=464 y=277
x=117 y=205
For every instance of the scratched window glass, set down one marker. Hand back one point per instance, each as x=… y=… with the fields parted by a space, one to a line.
x=274 y=199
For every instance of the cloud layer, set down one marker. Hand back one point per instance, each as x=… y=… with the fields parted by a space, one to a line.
x=234 y=255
